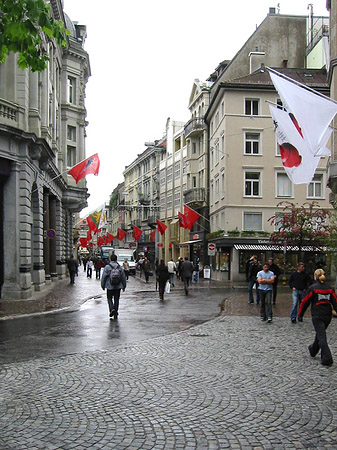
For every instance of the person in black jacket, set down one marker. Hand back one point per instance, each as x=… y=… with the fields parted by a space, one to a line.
x=73 y=268
x=299 y=282
x=321 y=297
x=162 y=275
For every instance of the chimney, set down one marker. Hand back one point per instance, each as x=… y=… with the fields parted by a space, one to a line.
x=256 y=59
x=272 y=11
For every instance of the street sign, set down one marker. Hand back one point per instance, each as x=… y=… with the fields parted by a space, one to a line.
x=211 y=249
x=51 y=234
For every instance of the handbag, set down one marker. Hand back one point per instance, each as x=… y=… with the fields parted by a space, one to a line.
x=167 y=287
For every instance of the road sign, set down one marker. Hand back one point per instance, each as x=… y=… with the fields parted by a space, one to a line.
x=211 y=249
x=51 y=234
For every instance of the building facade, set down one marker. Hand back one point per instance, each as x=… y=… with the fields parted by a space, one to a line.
x=42 y=133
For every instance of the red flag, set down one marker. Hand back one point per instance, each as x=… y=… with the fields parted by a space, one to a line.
x=120 y=234
x=91 y=244
x=110 y=237
x=136 y=233
x=190 y=216
x=181 y=219
x=89 y=165
x=99 y=241
x=153 y=236
x=89 y=235
x=161 y=227
x=83 y=242
x=91 y=224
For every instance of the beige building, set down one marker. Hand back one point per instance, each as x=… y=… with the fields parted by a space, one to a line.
x=247 y=179
x=42 y=134
x=142 y=198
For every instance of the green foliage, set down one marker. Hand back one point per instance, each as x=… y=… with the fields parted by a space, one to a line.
x=22 y=26
x=302 y=225
x=215 y=234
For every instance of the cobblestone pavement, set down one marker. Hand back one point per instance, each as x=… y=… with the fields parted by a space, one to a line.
x=233 y=382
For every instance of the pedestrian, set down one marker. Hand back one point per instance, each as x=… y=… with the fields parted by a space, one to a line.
x=73 y=268
x=113 y=279
x=186 y=272
x=265 y=279
x=162 y=275
x=140 y=266
x=126 y=268
x=178 y=265
x=90 y=265
x=146 y=266
x=299 y=282
x=98 y=266
x=254 y=268
x=322 y=297
x=276 y=271
x=171 y=266
x=248 y=262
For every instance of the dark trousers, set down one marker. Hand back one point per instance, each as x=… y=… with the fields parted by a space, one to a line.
x=275 y=291
x=98 y=274
x=89 y=272
x=161 y=289
x=266 y=305
x=147 y=275
x=186 y=281
x=321 y=324
x=113 y=300
x=72 y=274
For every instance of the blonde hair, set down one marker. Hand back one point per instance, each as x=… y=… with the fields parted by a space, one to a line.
x=319 y=275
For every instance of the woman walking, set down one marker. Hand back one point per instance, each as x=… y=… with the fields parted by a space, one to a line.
x=322 y=297
x=162 y=275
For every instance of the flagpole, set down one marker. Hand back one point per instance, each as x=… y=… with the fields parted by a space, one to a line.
x=298 y=83
x=203 y=218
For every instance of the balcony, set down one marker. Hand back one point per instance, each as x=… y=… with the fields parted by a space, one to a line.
x=136 y=223
x=195 y=196
x=152 y=221
x=194 y=127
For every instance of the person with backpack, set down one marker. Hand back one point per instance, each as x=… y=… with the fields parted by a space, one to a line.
x=113 y=279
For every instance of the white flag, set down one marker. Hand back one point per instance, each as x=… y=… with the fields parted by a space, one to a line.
x=298 y=161
x=310 y=112
x=103 y=219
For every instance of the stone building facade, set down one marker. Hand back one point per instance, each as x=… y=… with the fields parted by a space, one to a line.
x=42 y=134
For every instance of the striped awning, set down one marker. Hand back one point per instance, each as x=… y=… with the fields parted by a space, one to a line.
x=277 y=248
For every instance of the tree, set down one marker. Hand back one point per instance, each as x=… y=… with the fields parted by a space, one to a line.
x=24 y=26
x=301 y=226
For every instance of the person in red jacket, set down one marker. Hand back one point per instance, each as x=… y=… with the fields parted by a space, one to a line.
x=321 y=297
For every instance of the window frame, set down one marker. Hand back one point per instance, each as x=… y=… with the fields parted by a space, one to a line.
x=316 y=183
x=277 y=194
x=252 y=101
x=252 y=141
x=253 y=171
x=245 y=213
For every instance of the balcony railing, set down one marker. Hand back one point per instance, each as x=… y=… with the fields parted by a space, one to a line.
x=152 y=221
x=196 y=125
x=195 y=195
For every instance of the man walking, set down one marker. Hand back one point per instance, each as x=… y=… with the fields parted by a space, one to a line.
x=276 y=271
x=113 y=279
x=254 y=268
x=299 y=281
x=73 y=268
x=266 y=278
x=186 y=272
x=146 y=267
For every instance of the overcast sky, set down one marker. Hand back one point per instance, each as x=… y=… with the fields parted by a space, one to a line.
x=144 y=57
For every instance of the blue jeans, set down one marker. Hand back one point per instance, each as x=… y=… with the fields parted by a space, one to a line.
x=297 y=295
x=172 y=279
x=250 y=291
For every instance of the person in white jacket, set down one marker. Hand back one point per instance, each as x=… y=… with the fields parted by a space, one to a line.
x=171 y=266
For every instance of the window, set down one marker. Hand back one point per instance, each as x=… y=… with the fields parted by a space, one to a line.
x=71 y=133
x=194 y=148
x=278 y=220
x=71 y=156
x=212 y=158
x=216 y=156
x=222 y=145
x=252 y=221
x=71 y=88
x=177 y=200
x=216 y=197
x=252 y=184
x=315 y=188
x=222 y=185
x=252 y=143
x=169 y=201
x=177 y=170
x=162 y=177
x=251 y=107
x=216 y=119
x=284 y=187
x=169 y=175
x=222 y=109
x=194 y=182
x=211 y=193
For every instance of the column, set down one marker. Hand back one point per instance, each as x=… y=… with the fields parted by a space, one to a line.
x=46 y=227
x=52 y=240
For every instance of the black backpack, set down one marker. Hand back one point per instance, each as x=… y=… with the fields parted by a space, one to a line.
x=115 y=275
